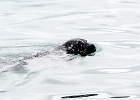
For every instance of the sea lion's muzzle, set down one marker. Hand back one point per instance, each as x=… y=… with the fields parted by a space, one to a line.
x=88 y=49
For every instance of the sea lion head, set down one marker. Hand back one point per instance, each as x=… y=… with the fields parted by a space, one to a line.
x=78 y=46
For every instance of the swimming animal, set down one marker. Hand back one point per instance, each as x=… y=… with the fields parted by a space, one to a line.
x=75 y=46
x=78 y=46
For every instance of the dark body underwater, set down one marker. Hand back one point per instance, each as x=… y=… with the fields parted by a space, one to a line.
x=75 y=46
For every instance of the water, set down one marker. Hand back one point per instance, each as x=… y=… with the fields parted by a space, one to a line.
x=31 y=26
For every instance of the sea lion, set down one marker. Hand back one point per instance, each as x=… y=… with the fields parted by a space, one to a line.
x=78 y=46
x=75 y=46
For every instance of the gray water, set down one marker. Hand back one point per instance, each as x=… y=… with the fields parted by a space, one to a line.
x=31 y=26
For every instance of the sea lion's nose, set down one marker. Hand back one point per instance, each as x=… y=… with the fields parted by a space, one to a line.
x=88 y=49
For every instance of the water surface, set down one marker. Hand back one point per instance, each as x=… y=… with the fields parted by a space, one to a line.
x=31 y=26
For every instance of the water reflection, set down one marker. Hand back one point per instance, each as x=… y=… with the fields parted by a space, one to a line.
x=79 y=96
x=93 y=96
x=121 y=97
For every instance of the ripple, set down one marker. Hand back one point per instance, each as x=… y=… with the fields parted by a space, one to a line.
x=57 y=82
x=97 y=95
x=79 y=96
x=3 y=91
x=129 y=2
x=112 y=70
x=121 y=97
x=62 y=15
